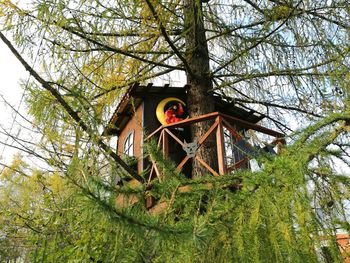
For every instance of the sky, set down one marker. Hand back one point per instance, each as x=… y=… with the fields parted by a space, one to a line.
x=11 y=73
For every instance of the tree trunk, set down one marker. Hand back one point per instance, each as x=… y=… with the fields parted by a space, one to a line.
x=198 y=78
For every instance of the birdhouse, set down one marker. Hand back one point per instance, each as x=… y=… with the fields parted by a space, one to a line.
x=159 y=113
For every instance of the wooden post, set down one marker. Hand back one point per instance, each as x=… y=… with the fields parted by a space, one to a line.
x=165 y=144
x=160 y=139
x=220 y=146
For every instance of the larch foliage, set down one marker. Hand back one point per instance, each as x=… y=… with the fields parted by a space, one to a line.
x=288 y=59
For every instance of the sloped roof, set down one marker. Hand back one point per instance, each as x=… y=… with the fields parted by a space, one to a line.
x=134 y=96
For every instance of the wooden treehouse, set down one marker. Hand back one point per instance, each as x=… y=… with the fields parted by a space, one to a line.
x=135 y=120
x=150 y=112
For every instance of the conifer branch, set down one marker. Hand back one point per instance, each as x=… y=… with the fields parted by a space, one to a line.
x=257 y=42
x=167 y=39
x=106 y=47
x=118 y=50
x=74 y=115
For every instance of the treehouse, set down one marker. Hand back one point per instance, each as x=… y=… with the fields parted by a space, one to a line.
x=159 y=112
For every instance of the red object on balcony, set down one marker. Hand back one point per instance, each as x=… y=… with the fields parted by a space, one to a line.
x=172 y=114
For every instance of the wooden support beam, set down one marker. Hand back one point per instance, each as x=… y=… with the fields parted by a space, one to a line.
x=183 y=162
x=206 y=166
x=154 y=133
x=154 y=164
x=244 y=124
x=220 y=147
x=253 y=126
x=174 y=137
x=240 y=163
x=160 y=138
x=189 y=121
x=209 y=131
x=151 y=174
x=165 y=144
x=201 y=140
x=185 y=122
x=231 y=129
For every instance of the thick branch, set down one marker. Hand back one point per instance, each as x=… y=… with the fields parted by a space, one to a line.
x=70 y=111
x=129 y=34
x=88 y=50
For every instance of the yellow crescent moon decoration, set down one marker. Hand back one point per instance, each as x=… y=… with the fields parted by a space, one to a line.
x=160 y=108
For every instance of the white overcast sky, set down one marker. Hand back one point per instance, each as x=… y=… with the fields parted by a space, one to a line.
x=11 y=72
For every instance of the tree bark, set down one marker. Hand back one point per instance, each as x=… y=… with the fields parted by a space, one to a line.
x=200 y=82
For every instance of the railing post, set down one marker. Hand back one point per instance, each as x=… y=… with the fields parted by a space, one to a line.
x=165 y=144
x=220 y=145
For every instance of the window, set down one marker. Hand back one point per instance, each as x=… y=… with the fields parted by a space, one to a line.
x=234 y=150
x=129 y=144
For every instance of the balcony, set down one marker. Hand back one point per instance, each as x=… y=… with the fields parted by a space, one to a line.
x=233 y=149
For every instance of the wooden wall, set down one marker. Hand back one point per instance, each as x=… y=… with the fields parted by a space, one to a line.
x=135 y=125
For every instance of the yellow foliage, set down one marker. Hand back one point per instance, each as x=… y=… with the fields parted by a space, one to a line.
x=278 y=12
x=7 y=7
x=56 y=183
x=6 y=173
x=17 y=165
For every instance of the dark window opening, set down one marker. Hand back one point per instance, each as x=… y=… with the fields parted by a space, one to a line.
x=129 y=144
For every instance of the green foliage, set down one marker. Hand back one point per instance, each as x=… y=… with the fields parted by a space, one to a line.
x=291 y=57
x=272 y=218
x=278 y=12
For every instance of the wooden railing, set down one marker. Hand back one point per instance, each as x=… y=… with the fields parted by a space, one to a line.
x=219 y=123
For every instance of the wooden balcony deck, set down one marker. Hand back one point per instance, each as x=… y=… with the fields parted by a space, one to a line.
x=219 y=123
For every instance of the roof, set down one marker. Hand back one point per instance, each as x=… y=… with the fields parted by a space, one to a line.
x=133 y=97
x=229 y=106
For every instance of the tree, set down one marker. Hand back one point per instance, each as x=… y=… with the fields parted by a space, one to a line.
x=286 y=58
x=280 y=56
